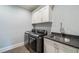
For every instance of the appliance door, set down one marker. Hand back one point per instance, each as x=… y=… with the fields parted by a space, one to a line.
x=40 y=44
x=26 y=40
x=33 y=43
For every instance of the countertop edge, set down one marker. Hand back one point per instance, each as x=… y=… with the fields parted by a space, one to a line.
x=62 y=42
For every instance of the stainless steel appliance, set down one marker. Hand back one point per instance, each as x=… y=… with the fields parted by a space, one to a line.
x=34 y=40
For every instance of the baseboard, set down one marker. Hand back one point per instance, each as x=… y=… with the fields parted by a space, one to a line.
x=11 y=47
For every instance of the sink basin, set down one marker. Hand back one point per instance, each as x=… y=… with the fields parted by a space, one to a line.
x=66 y=40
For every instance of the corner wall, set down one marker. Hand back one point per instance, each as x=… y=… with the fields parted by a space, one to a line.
x=14 y=21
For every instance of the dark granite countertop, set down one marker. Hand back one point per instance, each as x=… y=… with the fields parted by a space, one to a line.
x=74 y=40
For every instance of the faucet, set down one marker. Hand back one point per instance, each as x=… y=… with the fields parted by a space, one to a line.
x=62 y=31
x=61 y=28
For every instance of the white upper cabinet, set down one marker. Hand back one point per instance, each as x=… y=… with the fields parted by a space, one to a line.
x=57 y=19
x=71 y=20
x=69 y=16
x=41 y=15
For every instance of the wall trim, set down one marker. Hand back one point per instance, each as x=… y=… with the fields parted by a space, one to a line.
x=11 y=47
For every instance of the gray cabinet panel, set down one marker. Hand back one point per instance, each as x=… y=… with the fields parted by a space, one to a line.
x=55 y=47
x=49 y=46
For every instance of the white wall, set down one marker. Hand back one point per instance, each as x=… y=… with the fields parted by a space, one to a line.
x=69 y=15
x=14 y=21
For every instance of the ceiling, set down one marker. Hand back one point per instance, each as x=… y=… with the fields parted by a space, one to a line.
x=29 y=7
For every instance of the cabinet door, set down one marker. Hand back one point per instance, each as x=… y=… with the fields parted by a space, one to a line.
x=34 y=17
x=55 y=47
x=39 y=16
x=49 y=49
x=71 y=26
x=70 y=18
x=42 y=15
x=45 y=14
x=50 y=46
x=67 y=49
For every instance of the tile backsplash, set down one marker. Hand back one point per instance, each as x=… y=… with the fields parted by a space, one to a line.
x=44 y=26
